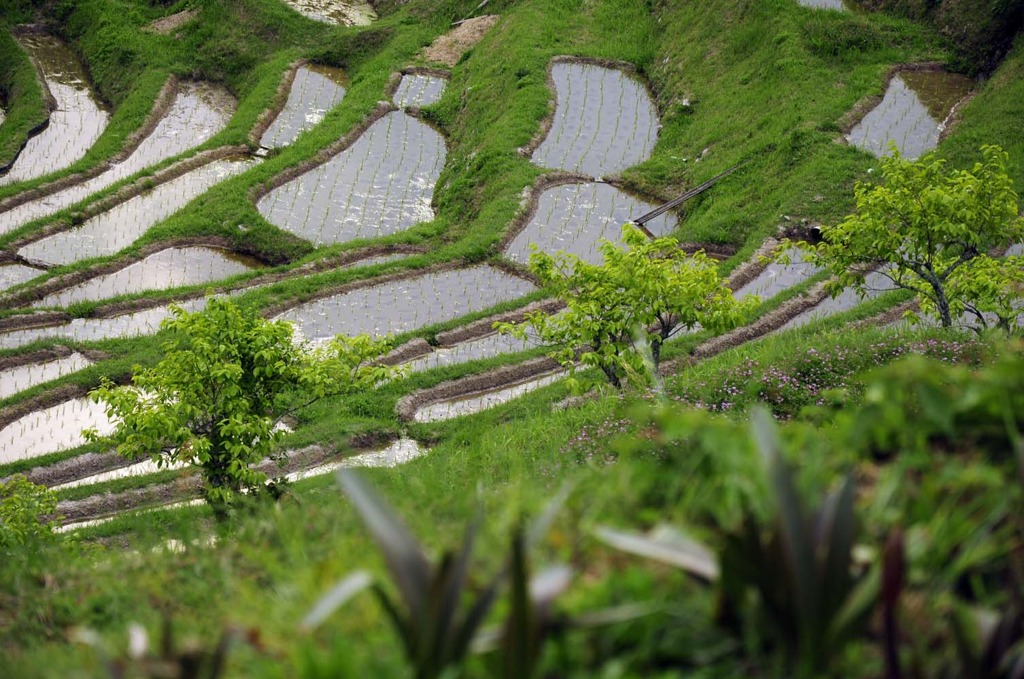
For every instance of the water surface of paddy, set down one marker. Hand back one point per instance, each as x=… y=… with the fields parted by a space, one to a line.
x=467 y=405
x=380 y=185
x=198 y=113
x=164 y=270
x=22 y=377
x=407 y=304
x=52 y=429
x=778 y=277
x=911 y=113
x=341 y=12
x=13 y=274
x=117 y=228
x=605 y=121
x=314 y=91
x=75 y=124
x=575 y=217
x=419 y=90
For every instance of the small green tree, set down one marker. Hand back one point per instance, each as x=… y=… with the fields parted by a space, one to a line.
x=642 y=294
x=929 y=230
x=228 y=378
x=26 y=511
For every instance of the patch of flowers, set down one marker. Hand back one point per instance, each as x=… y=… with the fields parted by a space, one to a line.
x=788 y=383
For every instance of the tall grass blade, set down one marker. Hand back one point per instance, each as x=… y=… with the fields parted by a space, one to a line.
x=404 y=556
x=336 y=597
x=677 y=550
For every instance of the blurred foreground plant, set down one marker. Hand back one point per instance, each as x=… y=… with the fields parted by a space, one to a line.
x=792 y=578
x=439 y=613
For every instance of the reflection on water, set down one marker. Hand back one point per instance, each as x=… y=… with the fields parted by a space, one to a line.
x=13 y=274
x=119 y=227
x=495 y=344
x=75 y=124
x=198 y=113
x=407 y=304
x=876 y=284
x=380 y=185
x=164 y=270
x=342 y=12
x=133 y=324
x=52 y=429
x=419 y=90
x=575 y=217
x=22 y=377
x=467 y=405
x=604 y=121
x=314 y=92
x=823 y=4
x=778 y=277
x=911 y=113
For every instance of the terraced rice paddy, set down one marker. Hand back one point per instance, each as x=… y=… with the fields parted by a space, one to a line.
x=471 y=350
x=382 y=184
x=823 y=4
x=76 y=122
x=117 y=228
x=604 y=122
x=341 y=12
x=467 y=405
x=138 y=469
x=778 y=277
x=13 y=274
x=167 y=269
x=198 y=112
x=52 y=429
x=407 y=304
x=575 y=217
x=314 y=91
x=911 y=114
x=877 y=285
x=22 y=377
x=419 y=90
x=146 y=322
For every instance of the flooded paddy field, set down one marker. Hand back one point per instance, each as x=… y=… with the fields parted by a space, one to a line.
x=475 y=403
x=877 y=284
x=416 y=89
x=911 y=114
x=134 y=324
x=170 y=268
x=119 y=227
x=13 y=274
x=824 y=4
x=488 y=346
x=604 y=121
x=575 y=217
x=22 y=377
x=382 y=184
x=76 y=122
x=778 y=277
x=341 y=12
x=314 y=91
x=52 y=429
x=199 y=111
x=407 y=304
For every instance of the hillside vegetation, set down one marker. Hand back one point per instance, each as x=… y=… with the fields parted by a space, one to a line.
x=921 y=425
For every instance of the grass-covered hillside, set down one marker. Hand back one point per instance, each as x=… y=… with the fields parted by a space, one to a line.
x=823 y=490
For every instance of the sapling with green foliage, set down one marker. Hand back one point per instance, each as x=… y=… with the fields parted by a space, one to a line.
x=642 y=294
x=934 y=231
x=26 y=512
x=227 y=380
